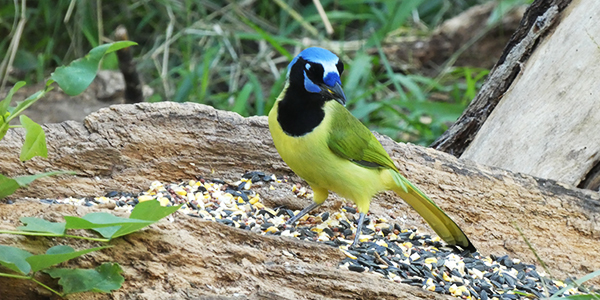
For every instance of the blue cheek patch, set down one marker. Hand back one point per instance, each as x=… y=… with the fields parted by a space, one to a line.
x=331 y=79
x=310 y=86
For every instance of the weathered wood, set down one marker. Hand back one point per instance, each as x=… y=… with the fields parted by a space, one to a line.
x=546 y=125
x=196 y=259
x=125 y=147
x=538 y=20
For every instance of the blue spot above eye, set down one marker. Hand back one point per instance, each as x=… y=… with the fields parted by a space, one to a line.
x=310 y=86
x=332 y=78
x=307 y=66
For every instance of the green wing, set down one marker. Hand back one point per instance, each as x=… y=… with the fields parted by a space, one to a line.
x=350 y=139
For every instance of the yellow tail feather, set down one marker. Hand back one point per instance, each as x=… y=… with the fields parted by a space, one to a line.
x=445 y=227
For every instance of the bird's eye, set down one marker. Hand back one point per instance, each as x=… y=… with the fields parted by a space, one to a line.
x=313 y=71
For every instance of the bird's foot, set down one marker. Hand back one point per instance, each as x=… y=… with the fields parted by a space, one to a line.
x=361 y=220
x=355 y=242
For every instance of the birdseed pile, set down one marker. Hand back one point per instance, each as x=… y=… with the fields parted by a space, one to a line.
x=403 y=255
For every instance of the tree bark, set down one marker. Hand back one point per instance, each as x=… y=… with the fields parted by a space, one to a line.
x=546 y=124
x=539 y=20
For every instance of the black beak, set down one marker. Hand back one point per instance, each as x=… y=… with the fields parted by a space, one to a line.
x=336 y=93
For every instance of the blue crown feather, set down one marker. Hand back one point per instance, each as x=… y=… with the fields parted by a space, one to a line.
x=324 y=57
x=316 y=55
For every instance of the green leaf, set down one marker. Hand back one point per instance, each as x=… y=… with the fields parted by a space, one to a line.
x=577 y=282
x=104 y=278
x=80 y=73
x=259 y=98
x=100 y=220
x=108 y=232
x=60 y=249
x=210 y=55
x=21 y=106
x=110 y=226
x=359 y=69
x=269 y=38
x=25 y=180
x=56 y=256
x=242 y=99
x=10 y=185
x=580 y=297
x=35 y=140
x=3 y=127
x=7 y=186
x=4 y=104
x=104 y=223
x=363 y=110
x=15 y=259
x=41 y=225
x=150 y=211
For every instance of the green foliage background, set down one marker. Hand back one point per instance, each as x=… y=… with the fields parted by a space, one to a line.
x=233 y=54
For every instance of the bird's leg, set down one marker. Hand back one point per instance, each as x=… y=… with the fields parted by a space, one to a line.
x=361 y=220
x=302 y=213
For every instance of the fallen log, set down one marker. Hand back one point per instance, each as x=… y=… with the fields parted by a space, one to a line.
x=126 y=147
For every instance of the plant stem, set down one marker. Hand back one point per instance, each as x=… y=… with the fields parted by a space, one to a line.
x=47 y=287
x=539 y=259
x=15 y=126
x=32 y=279
x=14 y=276
x=55 y=235
x=87 y=238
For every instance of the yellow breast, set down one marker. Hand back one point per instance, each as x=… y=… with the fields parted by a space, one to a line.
x=310 y=158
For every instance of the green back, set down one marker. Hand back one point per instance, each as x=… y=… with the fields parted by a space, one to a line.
x=350 y=139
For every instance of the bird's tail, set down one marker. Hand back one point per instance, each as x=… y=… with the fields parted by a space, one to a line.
x=435 y=216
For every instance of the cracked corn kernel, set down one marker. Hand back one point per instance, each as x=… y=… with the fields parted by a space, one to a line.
x=254 y=199
x=364 y=237
x=446 y=277
x=143 y=198
x=164 y=201
x=415 y=256
x=317 y=229
x=455 y=291
x=381 y=243
x=349 y=255
x=431 y=260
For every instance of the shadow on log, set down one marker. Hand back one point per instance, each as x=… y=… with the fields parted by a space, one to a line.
x=125 y=147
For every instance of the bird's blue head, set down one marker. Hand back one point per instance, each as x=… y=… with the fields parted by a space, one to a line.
x=318 y=70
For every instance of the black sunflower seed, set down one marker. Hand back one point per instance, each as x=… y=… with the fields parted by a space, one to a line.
x=111 y=194
x=356 y=268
